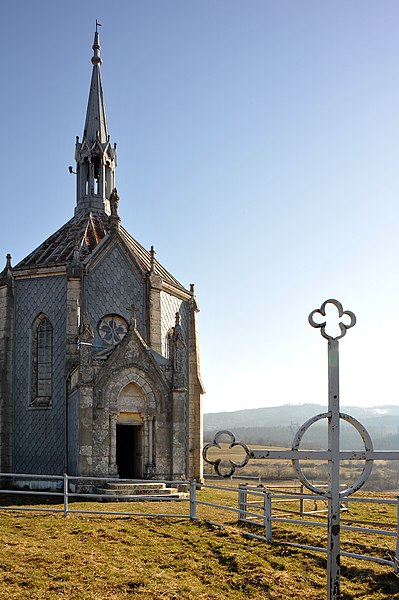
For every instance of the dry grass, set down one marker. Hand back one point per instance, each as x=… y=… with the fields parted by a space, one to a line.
x=100 y=557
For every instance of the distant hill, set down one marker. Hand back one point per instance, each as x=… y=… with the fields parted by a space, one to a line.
x=287 y=414
x=278 y=424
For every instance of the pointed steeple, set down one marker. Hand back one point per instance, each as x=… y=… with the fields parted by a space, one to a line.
x=96 y=119
x=95 y=158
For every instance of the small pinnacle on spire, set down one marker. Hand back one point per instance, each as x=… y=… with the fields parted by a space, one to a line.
x=132 y=310
x=86 y=333
x=6 y=272
x=114 y=200
x=152 y=259
x=76 y=254
x=7 y=269
x=114 y=219
x=177 y=317
x=191 y=288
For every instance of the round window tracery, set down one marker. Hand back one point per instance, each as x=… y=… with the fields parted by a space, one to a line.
x=112 y=329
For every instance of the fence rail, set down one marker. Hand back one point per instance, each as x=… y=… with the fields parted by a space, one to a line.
x=255 y=506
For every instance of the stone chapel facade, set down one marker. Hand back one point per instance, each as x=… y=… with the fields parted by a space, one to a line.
x=99 y=350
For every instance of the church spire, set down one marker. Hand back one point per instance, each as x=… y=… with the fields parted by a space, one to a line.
x=96 y=120
x=95 y=158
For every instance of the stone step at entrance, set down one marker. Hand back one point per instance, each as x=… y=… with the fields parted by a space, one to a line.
x=140 y=491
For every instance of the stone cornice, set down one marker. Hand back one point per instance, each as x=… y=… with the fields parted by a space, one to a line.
x=170 y=289
x=40 y=272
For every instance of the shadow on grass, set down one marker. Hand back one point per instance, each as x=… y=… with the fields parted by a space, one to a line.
x=32 y=499
x=387 y=583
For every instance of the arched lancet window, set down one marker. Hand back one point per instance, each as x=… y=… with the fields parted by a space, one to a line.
x=85 y=176
x=42 y=362
x=97 y=172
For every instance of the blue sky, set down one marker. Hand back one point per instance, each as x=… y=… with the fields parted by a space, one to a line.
x=258 y=152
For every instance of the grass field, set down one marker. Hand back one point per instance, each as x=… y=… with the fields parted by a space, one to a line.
x=384 y=476
x=100 y=557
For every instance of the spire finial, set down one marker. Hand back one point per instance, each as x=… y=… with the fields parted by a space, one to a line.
x=96 y=58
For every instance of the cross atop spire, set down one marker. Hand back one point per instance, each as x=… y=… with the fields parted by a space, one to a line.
x=95 y=158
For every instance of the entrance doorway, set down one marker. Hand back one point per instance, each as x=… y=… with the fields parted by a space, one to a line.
x=129 y=451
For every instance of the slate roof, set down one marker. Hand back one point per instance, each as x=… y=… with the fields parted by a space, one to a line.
x=85 y=233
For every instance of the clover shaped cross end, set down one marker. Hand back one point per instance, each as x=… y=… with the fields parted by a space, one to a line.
x=321 y=323
x=224 y=466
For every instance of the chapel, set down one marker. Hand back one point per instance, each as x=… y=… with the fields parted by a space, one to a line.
x=99 y=357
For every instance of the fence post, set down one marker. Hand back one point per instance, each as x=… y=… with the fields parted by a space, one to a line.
x=65 y=494
x=193 y=500
x=242 y=502
x=267 y=503
x=395 y=568
x=301 y=501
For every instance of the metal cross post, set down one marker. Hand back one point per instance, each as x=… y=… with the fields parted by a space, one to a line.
x=333 y=454
x=333 y=556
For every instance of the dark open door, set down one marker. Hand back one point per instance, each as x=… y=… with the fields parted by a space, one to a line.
x=128 y=451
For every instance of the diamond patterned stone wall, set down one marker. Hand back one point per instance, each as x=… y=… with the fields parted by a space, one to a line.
x=39 y=432
x=111 y=288
x=73 y=432
x=170 y=305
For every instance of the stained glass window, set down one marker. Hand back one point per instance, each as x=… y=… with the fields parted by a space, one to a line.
x=42 y=362
x=112 y=329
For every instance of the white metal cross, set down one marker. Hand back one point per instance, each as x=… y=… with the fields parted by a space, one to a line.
x=318 y=318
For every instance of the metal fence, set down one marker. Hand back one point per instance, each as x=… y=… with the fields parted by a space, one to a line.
x=70 y=488
x=261 y=507
x=257 y=506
